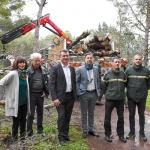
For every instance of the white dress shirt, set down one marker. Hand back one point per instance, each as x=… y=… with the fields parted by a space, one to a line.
x=91 y=84
x=67 y=73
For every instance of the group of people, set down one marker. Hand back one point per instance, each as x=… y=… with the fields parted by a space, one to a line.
x=26 y=88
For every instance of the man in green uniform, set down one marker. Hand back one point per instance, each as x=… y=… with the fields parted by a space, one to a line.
x=114 y=85
x=138 y=83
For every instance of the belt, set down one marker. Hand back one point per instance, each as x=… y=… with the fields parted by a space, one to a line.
x=91 y=91
x=68 y=92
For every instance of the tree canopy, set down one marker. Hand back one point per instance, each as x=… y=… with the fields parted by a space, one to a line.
x=135 y=15
x=10 y=14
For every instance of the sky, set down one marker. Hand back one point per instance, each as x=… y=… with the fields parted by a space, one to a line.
x=75 y=16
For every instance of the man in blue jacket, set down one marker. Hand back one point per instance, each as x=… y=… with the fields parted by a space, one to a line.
x=88 y=90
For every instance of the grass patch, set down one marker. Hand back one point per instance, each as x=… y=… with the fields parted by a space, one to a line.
x=79 y=144
x=50 y=142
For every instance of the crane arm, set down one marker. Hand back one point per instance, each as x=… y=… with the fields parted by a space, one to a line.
x=25 y=28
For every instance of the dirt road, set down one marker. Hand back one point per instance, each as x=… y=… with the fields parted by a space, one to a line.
x=99 y=143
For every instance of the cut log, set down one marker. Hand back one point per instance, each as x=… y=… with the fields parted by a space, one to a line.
x=80 y=49
x=108 y=38
x=100 y=38
x=82 y=36
x=55 y=40
x=2 y=102
x=96 y=39
x=106 y=53
x=61 y=38
x=96 y=46
x=108 y=47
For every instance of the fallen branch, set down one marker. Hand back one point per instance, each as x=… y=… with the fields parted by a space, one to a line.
x=5 y=135
x=35 y=143
x=48 y=106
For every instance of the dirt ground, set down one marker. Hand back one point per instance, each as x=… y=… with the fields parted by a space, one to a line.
x=99 y=143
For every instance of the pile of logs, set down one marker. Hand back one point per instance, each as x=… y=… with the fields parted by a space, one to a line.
x=99 y=46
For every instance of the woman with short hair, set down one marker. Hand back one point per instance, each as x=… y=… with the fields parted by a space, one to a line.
x=17 y=100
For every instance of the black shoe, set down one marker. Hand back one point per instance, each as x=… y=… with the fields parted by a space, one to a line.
x=23 y=140
x=62 y=142
x=122 y=139
x=108 y=138
x=32 y=137
x=99 y=103
x=41 y=133
x=69 y=139
x=93 y=133
x=130 y=135
x=84 y=134
x=143 y=137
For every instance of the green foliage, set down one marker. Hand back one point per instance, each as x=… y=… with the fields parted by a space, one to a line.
x=134 y=15
x=5 y=130
x=9 y=9
x=50 y=128
x=148 y=101
x=47 y=40
x=70 y=35
x=2 y=113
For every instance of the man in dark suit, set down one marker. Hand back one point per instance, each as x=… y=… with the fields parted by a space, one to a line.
x=63 y=92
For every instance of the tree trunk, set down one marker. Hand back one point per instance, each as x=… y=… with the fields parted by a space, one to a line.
x=146 y=36
x=36 y=35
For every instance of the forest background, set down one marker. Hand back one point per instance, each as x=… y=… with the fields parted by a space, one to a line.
x=130 y=33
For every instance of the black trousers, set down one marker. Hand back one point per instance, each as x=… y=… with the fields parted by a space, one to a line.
x=109 y=106
x=132 y=109
x=20 y=120
x=36 y=101
x=64 y=115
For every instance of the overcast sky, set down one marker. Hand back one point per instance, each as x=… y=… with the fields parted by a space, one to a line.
x=75 y=16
